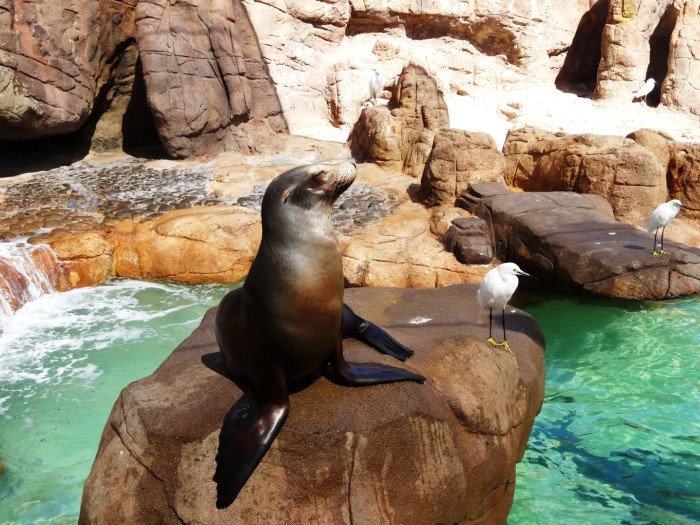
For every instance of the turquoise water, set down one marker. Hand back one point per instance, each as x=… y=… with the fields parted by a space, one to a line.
x=617 y=442
x=618 y=438
x=63 y=361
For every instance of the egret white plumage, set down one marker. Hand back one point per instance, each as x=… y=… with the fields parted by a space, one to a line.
x=496 y=289
x=660 y=218
x=375 y=85
x=647 y=88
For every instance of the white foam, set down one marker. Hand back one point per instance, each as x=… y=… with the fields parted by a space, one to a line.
x=52 y=336
x=33 y=281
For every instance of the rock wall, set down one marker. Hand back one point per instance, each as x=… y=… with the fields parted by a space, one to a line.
x=204 y=75
x=56 y=60
x=629 y=176
x=209 y=68
x=619 y=44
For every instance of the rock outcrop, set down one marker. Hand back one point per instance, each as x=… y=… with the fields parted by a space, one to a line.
x=402 y=137
x=206 y=78
x=629 y=176
x=618 y=45
x=469 y=239
x=459 y=158
x=561 y=238
x=441 y=452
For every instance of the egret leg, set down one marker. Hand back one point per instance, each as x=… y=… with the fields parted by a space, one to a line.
x=654 y=252
x=503 y=322
x=491 y=339
x=504 y=344
x=663 y=252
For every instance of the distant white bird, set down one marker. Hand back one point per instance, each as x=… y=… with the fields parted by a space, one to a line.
x=376 y=84
x=660 y=218
x=643 y=91
x=496 y=289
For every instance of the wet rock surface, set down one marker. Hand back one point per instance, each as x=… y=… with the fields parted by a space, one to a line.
x=359 y=206
x=82 y=197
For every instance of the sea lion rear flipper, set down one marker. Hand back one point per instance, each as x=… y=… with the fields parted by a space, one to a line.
x=369 y=333
x=363 y=374
x=246 y=435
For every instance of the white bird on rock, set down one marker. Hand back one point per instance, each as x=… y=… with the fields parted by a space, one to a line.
x=660 y=218
x=496 y=289
x=643 y=91
x=376 y=84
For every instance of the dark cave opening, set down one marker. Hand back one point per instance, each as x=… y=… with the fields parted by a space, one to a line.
x=659 y=47
x=139 y=130
x=139 y=137
x=579 y=73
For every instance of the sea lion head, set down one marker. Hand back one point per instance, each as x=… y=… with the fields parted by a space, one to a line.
x=312 y=187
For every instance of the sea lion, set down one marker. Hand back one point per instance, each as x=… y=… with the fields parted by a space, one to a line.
x=285 y=326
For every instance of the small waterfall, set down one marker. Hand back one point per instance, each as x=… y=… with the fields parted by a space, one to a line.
x=26 y=272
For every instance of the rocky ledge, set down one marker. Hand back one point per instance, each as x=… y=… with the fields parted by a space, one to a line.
x=441 y=452
x=572 y=242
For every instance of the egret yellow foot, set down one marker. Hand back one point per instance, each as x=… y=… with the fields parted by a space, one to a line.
x=504 y=344
x=663 y=252
x=656 y=254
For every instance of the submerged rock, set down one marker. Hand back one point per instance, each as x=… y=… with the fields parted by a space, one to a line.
x=441 y=452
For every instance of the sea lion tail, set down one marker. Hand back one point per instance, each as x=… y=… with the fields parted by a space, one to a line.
x=246 y=435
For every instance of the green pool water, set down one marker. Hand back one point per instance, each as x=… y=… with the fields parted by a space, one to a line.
x=63 y=360
x=618 y=438
x=617 y=442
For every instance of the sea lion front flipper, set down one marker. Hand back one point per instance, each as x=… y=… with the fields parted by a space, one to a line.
x=246 y=435
x=369 y=333
x=363 y=374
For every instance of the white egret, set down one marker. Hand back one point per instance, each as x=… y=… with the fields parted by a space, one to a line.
x=660 y=218
x=643 y=91
x=376 y=84
x=496 y=289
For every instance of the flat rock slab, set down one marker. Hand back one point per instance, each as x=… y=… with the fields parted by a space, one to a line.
x=564 y=239
x=441 y=452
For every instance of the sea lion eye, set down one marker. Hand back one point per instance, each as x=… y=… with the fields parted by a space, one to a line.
x=316 y=174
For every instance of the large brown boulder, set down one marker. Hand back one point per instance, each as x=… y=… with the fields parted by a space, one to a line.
x=441 y=452
x=458 y=159
x=204 y=75
x=562 y=238
x=629 y=176
x=54 y=61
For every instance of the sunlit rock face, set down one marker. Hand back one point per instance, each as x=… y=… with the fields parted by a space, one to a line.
x=202 y=78
x=618 y=45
